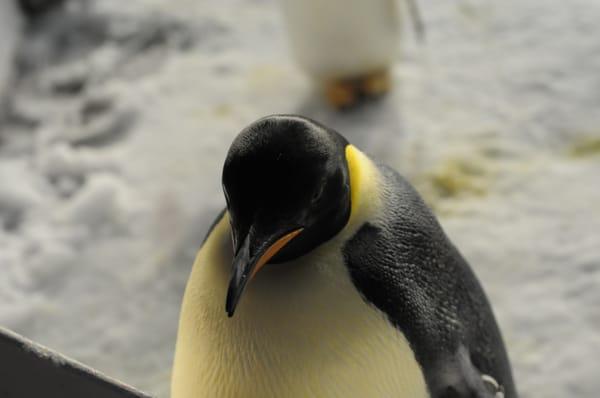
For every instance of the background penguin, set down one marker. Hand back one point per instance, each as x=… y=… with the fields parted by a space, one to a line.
x=347 y=46
x=342 y=282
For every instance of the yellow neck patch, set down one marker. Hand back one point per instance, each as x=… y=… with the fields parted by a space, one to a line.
x=354 y=157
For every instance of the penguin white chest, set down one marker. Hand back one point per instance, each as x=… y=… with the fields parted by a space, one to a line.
x=301 y=330
x=343 y=38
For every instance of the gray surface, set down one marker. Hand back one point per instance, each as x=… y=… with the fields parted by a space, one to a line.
x=110 y=167
x=29 y=370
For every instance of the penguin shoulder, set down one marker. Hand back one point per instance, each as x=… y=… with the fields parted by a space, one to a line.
x=402 y=263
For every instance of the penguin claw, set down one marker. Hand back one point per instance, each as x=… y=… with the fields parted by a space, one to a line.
x=493 y=386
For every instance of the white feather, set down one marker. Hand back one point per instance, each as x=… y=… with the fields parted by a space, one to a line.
x=343 y=38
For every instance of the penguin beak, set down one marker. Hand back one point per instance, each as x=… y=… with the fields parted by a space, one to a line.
x=246 y=265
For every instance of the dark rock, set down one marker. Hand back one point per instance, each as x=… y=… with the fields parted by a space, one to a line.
x=36 y=8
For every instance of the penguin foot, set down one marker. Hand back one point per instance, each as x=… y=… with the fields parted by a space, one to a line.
x=341 y=93
x=376 y=83
x=347 y=92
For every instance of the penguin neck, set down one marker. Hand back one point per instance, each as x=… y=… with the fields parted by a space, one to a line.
x=365 y=185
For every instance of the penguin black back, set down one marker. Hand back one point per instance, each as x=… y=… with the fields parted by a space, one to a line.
x=405 y=266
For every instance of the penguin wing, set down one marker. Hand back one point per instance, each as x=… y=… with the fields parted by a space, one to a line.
x=404 y=265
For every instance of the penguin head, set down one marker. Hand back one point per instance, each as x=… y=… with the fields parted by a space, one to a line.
x=287 y=187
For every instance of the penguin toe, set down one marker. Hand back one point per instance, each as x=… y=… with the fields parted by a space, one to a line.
x=492 y=386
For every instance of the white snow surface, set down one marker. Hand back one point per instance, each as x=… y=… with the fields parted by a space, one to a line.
x=121 y=114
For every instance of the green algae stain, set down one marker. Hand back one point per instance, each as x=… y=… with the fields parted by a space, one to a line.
x=458 y=177
x=585 y=147
x=468 y=11
x=223 y=110
x=455 y=177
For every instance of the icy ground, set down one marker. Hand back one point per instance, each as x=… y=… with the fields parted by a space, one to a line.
x=118 y=115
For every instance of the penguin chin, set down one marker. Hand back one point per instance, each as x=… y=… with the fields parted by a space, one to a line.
x=313 y=236
x=302 y=245
x=286 y=255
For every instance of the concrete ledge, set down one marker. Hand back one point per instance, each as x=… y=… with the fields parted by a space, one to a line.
x=29 y=370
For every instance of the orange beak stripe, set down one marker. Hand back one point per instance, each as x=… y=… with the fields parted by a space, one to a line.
x=275 y=247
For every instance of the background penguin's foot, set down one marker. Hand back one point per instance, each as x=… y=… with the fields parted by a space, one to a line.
x=347 y=92
x=376 y=84
x=341 y=94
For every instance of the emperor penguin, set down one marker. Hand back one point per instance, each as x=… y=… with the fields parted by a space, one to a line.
x=347 y=46
x=327 y=276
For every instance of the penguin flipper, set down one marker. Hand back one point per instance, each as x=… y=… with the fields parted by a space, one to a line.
x=449 y=372
x=403 y=264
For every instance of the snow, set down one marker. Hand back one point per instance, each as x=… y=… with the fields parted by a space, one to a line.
x=120 y=114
